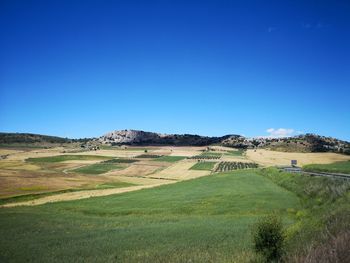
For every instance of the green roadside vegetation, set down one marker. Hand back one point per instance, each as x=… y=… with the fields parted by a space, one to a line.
x=203 y=166
x=323 y=223
x=337 y=167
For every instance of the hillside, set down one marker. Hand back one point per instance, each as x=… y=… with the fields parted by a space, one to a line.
x=38 y=139
x=300 y=143
x=134 y=137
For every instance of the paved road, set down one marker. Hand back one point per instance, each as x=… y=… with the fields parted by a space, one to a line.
x=299 y=170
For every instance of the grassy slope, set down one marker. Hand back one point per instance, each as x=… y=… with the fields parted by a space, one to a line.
x=206 y=219
x=337 y=167
x=203 y=166
x=62 y=158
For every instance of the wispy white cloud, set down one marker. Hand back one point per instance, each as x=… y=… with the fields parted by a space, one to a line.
x=271 y=29
x=318 y=25
x=306 y=25
x=280 y=132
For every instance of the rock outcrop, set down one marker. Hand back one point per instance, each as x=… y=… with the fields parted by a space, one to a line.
x=134 y=137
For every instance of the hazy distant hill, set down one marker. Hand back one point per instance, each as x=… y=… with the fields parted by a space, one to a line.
x=29 y=138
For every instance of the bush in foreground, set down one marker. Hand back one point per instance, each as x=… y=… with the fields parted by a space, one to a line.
x=268 y=238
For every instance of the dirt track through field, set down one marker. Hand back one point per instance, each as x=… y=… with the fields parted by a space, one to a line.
x=83 y=194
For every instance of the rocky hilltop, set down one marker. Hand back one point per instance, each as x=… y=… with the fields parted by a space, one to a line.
x=300 y=143
x=134 y=137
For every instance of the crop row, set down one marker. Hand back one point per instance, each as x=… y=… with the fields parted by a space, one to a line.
x=148 y=156
x=120 y=160
x=204 y=157
x=229 y=166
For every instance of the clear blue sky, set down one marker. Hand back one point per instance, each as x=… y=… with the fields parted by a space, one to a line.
x=82 y=68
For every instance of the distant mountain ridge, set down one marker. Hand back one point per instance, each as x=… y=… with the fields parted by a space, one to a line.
x=300 y=143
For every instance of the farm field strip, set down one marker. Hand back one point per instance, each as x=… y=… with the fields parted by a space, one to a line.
x=203 y=166
x=229 y=166
x=212 y=214
x=272 y=158
x=181 y=171
x=83 y=194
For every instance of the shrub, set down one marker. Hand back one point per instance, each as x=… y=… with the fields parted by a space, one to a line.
x=269 y=238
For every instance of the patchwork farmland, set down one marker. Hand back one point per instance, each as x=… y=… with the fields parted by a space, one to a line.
x=186 y=203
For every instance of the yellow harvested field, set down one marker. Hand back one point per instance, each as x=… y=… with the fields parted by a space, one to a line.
x=180 y=171
x=16 y=182
x=228 y=158
x=270 y=158
x=222 y=148
x=179 y=151
x=8 y=151
x=22 y=155
x=17 y=165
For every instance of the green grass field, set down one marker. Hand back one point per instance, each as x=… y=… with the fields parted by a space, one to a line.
x=202 y=220
x=338 y=167
x=215 y=154
x=99 y=168
x=170 y=159
x=235 y=153
x=62 y=158
x=120 y=160
x=203 y=166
